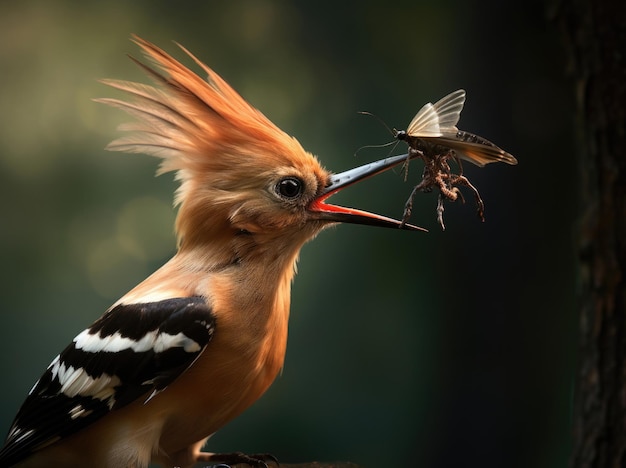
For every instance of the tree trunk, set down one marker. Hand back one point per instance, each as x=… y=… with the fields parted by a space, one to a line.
x=595 y=36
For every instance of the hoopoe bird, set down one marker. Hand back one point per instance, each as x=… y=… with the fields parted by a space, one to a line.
x=203 y=337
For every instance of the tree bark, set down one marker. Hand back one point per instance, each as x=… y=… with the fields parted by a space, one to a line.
x=595 y=37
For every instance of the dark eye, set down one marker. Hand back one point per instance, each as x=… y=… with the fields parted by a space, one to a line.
x=289 y=187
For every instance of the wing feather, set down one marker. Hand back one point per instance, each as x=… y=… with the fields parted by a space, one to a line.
x=133 y=350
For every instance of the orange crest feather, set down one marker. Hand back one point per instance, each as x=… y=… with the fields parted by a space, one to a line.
x=195 y=126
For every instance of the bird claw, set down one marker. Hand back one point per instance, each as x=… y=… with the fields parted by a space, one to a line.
x=257 y=460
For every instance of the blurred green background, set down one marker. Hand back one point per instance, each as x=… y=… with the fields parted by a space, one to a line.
x=453 y=348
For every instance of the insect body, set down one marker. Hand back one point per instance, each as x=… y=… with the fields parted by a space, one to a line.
x=433 y=135
x=434 y=128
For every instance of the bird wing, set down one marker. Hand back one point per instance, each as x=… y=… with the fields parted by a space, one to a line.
x=132 y=350
x=434 y=120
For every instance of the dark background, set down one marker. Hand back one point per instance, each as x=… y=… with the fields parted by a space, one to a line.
x=453 y=348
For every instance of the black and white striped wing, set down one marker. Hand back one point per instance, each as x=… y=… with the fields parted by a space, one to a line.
x=435 y=120
x=132 y=351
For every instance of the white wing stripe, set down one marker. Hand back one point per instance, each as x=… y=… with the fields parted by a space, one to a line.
x=77 y=382
x=151 y=341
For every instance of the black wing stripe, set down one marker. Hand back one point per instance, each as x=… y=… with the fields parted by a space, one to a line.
x=132 y=350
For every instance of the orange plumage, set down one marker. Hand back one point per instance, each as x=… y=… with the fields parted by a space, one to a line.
x=250 y=196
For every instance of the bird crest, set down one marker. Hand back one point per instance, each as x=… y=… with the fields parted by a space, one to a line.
x=202 y=129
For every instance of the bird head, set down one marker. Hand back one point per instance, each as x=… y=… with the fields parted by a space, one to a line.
x=243 y=181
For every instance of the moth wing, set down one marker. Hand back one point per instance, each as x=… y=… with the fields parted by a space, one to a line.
x=480 y=153
x=449 y=109
x=433 y=120
x=425 y=123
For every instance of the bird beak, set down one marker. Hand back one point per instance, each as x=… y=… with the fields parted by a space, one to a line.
x=339 y=214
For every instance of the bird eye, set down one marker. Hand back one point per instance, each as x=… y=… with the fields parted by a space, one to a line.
x=289 y=187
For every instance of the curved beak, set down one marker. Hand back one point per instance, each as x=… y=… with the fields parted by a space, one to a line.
x=340 y=214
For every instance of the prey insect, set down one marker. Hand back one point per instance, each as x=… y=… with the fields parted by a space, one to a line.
x=433 y=136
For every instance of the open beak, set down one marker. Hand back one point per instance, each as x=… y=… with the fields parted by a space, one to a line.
x=339 y=214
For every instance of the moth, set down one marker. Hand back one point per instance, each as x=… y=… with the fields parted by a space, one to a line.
x=432 y=136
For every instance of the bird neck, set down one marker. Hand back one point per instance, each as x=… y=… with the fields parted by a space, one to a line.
x=244 y=277
x=250 y=296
